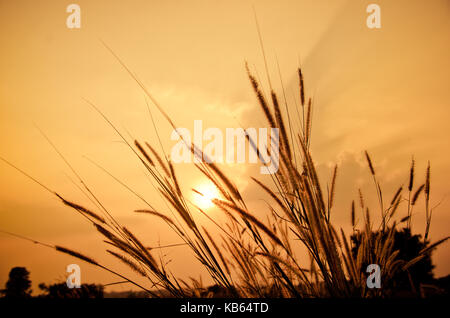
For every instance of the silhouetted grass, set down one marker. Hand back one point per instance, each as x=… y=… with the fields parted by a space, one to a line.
x=252 y=257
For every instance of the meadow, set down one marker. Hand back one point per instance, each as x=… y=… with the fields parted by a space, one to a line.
x=252 y=256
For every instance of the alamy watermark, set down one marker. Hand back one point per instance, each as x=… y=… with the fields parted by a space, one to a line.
x=374 y=279
x=373 y=21
x=74 y=278
x=210 y=146
x=73 y=21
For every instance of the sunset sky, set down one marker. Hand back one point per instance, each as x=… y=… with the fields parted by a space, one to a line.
x=383 y=90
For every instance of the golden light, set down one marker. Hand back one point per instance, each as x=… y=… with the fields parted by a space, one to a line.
x=203 y=195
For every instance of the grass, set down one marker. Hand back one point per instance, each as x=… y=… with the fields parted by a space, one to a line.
x=251 y=257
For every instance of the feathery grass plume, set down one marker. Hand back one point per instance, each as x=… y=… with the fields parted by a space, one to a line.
x=302 y=87
x=261 y=98
x=427 y=201
x=180 y=209
x=378 y=190
x=142 y=248
x=81 y=209
x=134 y=266
x=396 y=195
x=288 y=171
x=393 y=263
x=410 y=188
x=106 y=233
x=369 y=162
x=298 y=271
x=368 y=220
x=307 y=133
x=270 y=192
x=411 y=176
x=395 y=207
x=404 y=219
x=413 y=261
x=333 y=186
x=417 y=193
x=251 y=218
x=335 y=236
x=126 y=245
x=315 y=187
x=221 y=189
x=93 y=262
x=75 y=254
x=427 y=182
x=144 y=153
x=434 y=245
x=133 y=251
x=361 y=199
x=227 y=182
x=353 y=215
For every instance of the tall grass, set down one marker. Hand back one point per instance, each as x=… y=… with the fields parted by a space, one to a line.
x=251 y=257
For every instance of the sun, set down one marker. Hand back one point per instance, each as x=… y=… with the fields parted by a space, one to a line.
x=203 y=194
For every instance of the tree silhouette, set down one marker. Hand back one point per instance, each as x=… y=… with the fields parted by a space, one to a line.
x=18 y=284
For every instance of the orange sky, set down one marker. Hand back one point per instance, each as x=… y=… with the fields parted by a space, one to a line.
x=383 y=90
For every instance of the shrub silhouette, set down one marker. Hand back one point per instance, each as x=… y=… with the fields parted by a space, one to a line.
x=18 y=284
x=409 y=247
x=60 y=290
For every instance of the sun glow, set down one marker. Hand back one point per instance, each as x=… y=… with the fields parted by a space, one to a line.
x=204 y=194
